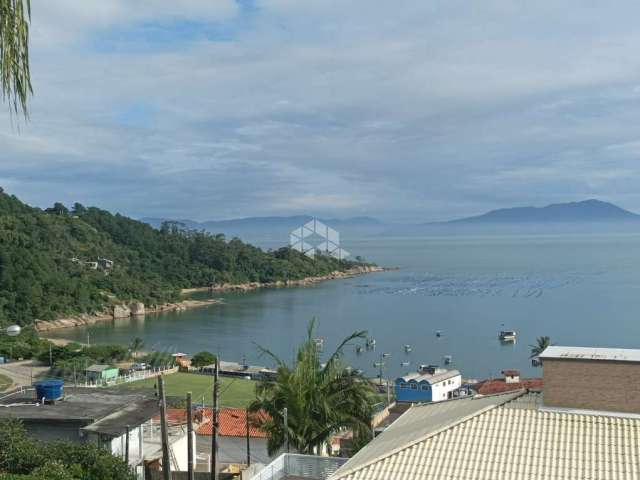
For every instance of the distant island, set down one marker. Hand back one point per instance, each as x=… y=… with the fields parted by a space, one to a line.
x=584 y=211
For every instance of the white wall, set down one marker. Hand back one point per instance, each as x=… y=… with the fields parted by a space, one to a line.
x=440 y=391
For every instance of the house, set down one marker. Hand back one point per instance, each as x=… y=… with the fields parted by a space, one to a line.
x=429 y=384
x=232 y=436
x=101 y=373
x=88 y=415
x=511 y=376
x=105 y=263
x=182 y=360
x=567 y=433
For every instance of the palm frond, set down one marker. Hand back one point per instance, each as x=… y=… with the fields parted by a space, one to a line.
x=15 y=77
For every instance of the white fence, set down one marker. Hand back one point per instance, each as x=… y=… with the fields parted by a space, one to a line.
x=132 y=377
x=303 y=466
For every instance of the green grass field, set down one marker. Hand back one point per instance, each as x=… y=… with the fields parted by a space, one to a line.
x=5 y=382
x=234 y=392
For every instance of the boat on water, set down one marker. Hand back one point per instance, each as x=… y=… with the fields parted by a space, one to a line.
x=371 y=342
x=438 y=333
x=359 y=349
x=507 y=336
x=319 y=341
x=447 y=359
x=407 y=348
x=405 y=364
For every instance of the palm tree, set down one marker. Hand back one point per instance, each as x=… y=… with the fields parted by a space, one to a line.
x=541 y=344
x=321 y=399
x=136 y=345
x=15 y=79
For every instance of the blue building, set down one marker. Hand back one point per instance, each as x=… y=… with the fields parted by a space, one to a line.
x=429 y=384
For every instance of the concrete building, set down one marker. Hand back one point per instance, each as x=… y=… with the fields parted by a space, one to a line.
x=430 y=384
x=101 y=373
x=101 y=416
x=588 y=378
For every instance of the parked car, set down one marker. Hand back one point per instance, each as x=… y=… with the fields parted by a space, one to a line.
x=139 y=366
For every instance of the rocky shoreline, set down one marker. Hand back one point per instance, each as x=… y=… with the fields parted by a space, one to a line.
x=304 y=282
x=134 y=309
x=119 y=311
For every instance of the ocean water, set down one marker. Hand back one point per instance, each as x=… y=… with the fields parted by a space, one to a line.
x=579 y=289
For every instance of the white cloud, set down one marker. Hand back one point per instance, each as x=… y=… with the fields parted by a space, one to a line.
x=412 y=109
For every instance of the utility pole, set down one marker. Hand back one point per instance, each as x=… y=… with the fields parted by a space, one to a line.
x=126 y=447
x=214 y=425
x=50 y=356
x=190 y=440
x=285 y=414
x=75 y=380
x=88 y=342
x=248 y=439
x=166 y=462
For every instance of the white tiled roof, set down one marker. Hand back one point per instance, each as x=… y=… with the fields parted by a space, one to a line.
x=511 y=441
x=592 y=353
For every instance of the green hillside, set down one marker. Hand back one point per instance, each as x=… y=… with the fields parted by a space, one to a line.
x=44 y=274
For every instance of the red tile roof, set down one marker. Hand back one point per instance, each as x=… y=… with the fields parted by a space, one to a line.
x=175 y=416
x=488 y=387
x=511 y=373
x=233 y=423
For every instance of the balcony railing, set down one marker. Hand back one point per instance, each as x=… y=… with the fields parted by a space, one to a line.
x=300 y=466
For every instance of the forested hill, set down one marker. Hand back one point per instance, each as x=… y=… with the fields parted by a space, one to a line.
x=46 y=256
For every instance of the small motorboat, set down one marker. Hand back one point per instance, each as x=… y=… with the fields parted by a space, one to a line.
x=371 y=342
x=438 y=333
x=405 y=364
x=507 y=336
x=407 y=348
x=319 y=341
x=447 y=359
x=359 y=349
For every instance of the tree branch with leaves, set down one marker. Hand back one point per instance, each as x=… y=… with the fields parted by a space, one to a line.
x=15 y=77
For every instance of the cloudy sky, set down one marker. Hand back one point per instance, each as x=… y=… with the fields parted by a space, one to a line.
x=410 y=110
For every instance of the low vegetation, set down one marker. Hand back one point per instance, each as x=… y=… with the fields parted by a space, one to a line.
x=26 y=458
x=47 y=268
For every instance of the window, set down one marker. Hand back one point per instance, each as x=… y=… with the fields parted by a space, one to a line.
x=403 y=386
x=414 y=386
x=425 y=388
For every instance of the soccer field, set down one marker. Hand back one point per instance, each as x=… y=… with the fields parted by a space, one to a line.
x=234 y=392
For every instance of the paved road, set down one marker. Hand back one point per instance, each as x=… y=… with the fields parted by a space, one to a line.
x=21 y=373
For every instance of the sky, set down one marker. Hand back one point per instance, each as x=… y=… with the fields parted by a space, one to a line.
x=405 y=111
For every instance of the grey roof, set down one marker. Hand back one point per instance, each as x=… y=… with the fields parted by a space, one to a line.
x=511 y=440
x=420 y=422
x=591 y=353
x=99 y=368
x=109 y=410
x=431 y=379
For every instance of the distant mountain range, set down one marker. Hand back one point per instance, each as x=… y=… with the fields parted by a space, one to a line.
x=583 y=216
x=584 y=211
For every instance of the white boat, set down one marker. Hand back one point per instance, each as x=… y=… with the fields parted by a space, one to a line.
x=507 y=336
x=407 y=348
x=404 y=364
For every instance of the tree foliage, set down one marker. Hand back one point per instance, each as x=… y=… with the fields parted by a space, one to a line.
x=24 y=458
x=320 y=399
x=202 y=359
x=44 y=272
x=15 y=78
x=541 y=344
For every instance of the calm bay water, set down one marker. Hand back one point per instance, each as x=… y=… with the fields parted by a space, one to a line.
x=580 y=290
